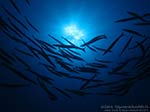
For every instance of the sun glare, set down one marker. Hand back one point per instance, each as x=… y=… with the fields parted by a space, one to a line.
x=73 y=31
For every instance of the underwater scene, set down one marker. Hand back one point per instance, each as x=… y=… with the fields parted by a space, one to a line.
x=74 y=55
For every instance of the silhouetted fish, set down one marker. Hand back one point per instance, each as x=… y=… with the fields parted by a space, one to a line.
x=87 y=69
x=134 y=32
x=62 y=92
x=94 y=40
x=31 y=24
x=142 y=48
x=126 y=45
x=136 y=15
x=141 y=42
x=23 y=52
x=78 y=92
x=15 y=18
x=13 y=85
x=101 y=49
x=44 y=87
x=87 y=82
x=15 y=6
x=18 y=73
x=68 y=46
x=3 y=52
x=143 y=24
x=113 y=43
x=22 y=61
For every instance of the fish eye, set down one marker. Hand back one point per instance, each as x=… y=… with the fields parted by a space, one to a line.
x=74 y=32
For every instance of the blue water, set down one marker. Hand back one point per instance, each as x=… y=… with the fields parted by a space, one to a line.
x=92 y=17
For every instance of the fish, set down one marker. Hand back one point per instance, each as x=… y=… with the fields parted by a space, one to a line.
x=55 y=39
x=45 y=44
x=15 y=6
x=103 y=61
x=3 y=24
x=15 y=18
x=134 y=32
x=141 y=42
x=113 y=43
x=143 y=24
x=97 y=65
x=126 y=45
x=38 y=75
x=78 y=92
x=27 y=20
x=13 y=85
x=87 y=82
x=120 y=67
x=5 y=59
x=44 y=55
x=136 y=15
x=12 y=29
x=101 y=49
x=3 y=52
x=99 y=37
x=16 y=29
x=68 y=41
x=18 y=73
x=84 y=79
x=50 y=94
x=68 y=46
x=23 y=52
x=87 y=69
x=32 y=50
x=22 y=61
x=66 y=67
x=62 y=92
x=142 y=48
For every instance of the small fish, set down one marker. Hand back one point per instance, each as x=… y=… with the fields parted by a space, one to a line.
x=63 y=92
x=120 y=67
x=87 y=69
x=68 y=46
x=13 y=85
x=87 y=82
x=113 y=43
x=141 y=42
x=50 y=94
x=15 y=6
x=78 y=92
x=101 y=49
x=5 y=59
x=84 y=79
x=136 y=15
x=23 y=52
x=97 y=65
x=143 y=24
x=44 y=55
x=126 y=45
x=22 y=61
x=142 y=48
x=15 y=18
x=94 y=40
x=55 y=39
x=18 y=73
x=103 y=61
x=134 y=32
x=3 y=52
x=31 y=24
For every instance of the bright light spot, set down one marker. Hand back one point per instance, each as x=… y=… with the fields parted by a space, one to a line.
x=73 y=31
